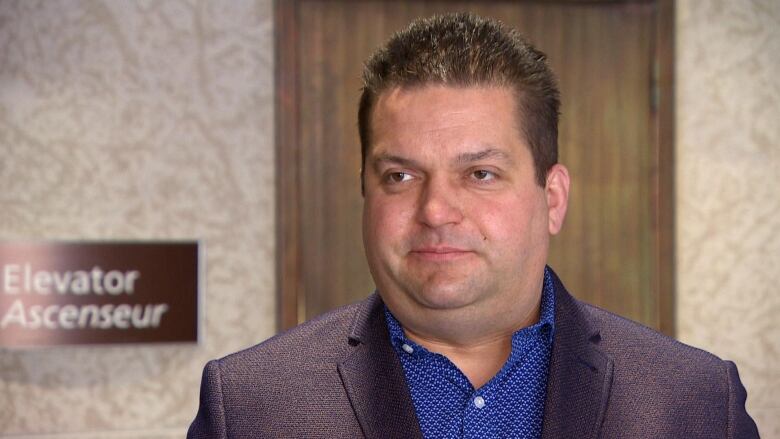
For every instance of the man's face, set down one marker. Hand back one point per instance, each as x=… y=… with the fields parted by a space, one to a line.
x=453 y=216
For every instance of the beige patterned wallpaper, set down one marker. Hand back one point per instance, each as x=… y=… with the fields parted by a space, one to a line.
x=147 y=120
x=728 y=190
x=138 y=120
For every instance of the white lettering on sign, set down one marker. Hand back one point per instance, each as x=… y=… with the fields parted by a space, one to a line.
x=20 y=278
x=108 y=316
x=11 y=279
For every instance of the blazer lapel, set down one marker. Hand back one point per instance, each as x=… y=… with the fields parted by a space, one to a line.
x=374 y=380
x=580 y=375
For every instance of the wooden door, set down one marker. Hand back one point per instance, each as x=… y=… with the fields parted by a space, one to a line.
x=614 y=64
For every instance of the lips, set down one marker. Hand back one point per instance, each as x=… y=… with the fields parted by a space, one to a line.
x=440 y=253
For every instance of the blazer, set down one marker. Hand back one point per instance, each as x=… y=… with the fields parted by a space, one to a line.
x=337 y=376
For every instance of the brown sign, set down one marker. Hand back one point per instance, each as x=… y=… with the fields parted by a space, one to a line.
x=55 y=293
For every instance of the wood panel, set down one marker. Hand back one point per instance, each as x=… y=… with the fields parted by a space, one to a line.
x=614 y=63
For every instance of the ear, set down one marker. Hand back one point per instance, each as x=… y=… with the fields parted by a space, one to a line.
x=557 y=192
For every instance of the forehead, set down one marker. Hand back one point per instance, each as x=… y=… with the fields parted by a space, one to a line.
x=441 y=118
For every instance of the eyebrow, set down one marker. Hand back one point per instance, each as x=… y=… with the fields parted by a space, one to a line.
x=470 y=157
x=461 y=159
x=394 y=159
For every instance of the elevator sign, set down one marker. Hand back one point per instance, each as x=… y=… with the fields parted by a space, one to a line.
x=68 y=293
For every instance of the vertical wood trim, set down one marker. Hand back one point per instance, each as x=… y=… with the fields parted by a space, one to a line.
x=666 y=262
x=286 y=116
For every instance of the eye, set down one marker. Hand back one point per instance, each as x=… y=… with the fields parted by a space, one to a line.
x=483 y=175
x=398 y=177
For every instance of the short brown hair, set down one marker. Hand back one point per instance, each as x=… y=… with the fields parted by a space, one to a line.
x=466 y=50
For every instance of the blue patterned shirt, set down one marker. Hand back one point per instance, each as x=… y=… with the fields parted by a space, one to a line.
x=510 y=405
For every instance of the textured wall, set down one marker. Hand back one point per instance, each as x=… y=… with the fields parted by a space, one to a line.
x=728 y=190
x=137 y=120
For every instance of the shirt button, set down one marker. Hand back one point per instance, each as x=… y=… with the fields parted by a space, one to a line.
x=408 y=349
x=479 y=402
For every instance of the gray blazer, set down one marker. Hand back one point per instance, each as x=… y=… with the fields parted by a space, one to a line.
x=337 y=376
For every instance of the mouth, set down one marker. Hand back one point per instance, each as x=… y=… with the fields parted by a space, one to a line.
x=440 y=254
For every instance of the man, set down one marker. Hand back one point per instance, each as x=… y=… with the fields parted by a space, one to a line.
x=470 y=334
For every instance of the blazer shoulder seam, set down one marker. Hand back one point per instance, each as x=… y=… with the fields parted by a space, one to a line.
x=729 y=410
x=218 y=368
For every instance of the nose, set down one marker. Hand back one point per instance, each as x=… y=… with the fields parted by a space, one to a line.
x=439 y=205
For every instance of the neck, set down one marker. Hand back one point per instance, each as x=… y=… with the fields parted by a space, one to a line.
x=480 y=355
x=479 y=362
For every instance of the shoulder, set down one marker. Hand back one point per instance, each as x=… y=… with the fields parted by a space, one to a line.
x=626 y=340
x=631 y=346
x=286 y=386
x=322 y=340
x=657 y=380
x=654 y=373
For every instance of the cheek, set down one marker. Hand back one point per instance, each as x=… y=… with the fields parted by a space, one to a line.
x=510 y=221
x=385 y=221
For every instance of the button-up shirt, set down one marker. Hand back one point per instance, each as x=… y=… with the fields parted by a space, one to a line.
x=510 y=405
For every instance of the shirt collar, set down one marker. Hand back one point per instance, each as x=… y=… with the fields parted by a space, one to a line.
x=544 y=328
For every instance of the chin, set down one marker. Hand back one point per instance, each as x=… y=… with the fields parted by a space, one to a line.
x=446 y=296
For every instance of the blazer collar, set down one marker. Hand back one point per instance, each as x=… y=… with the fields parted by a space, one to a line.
x=374 y=380
x=577 y=390
x=580 y=374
